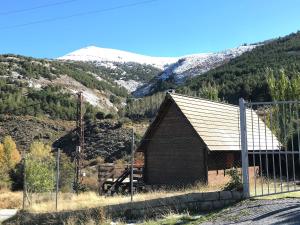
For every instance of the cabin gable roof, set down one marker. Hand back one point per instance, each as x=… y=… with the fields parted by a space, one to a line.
x=218 y=124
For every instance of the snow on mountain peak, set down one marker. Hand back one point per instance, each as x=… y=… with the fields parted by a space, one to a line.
x=193 y=65
x=177 y=68
x=96 y=54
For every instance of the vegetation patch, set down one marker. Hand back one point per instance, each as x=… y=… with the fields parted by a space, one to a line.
x=244 y=76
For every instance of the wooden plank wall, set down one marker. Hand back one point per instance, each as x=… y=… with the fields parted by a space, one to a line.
x=175 y=155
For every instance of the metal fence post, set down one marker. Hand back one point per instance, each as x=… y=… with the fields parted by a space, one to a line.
x=132 y=165
x=244 y=149
x=24 y=180
x=57 y=178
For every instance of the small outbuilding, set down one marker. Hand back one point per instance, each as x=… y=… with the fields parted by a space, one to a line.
x=196 y=140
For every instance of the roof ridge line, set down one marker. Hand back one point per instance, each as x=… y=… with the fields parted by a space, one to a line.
x=196 y=97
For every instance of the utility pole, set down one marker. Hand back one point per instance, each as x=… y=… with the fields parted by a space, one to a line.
x=132 y=164
x=57 y=178
x=80 y=146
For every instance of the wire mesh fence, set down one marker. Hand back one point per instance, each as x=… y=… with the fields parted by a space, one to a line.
x=200 y=151
x=223 y=173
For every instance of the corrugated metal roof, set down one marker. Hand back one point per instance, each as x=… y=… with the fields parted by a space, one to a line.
x=218 y=125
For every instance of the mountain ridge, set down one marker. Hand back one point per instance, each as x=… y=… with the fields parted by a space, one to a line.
x=97 y=54
x=177 y=68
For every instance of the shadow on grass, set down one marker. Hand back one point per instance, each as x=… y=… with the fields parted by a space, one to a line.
x=191 y=202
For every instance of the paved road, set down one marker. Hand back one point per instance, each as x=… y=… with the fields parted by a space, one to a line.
x=266 y=212
x=7 y=213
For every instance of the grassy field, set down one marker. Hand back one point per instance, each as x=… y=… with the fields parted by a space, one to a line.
x=45 y=202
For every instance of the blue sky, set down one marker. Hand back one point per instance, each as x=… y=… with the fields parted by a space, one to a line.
x=158 y=27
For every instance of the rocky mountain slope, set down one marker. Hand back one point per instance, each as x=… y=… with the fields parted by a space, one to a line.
x=190 y=66
x=156 y=69
x=245 y=76
x=26 y=129
x=28 y=75
x=109 y=139
x=37 y=96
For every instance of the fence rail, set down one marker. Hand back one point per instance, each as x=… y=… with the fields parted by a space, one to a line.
x=275 y=156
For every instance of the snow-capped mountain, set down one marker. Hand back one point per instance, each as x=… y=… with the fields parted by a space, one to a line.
x=190 y=66
x=174 y=69
x=107 y=56
x=196 y=64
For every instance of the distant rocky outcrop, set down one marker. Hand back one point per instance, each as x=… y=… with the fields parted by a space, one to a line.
x=26 y=129
x=108 y=139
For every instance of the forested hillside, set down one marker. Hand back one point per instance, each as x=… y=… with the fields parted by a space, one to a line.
x=44 y=87
x=245 y=76
x=38 y=103
x=36 y=93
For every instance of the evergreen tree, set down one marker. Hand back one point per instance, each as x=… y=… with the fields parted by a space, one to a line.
x=209 y=91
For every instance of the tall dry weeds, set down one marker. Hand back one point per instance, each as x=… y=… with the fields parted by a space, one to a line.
x=10 y=200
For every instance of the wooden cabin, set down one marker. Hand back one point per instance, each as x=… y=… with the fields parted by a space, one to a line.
x=196 y=140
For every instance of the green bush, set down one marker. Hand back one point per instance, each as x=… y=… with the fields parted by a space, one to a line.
x=235 y=182
x=39 y=168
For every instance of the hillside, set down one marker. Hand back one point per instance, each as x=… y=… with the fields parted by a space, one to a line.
x=108 y=139
x=244 y=76
x=189 y=66
x=54 y=84
x=38 y=102
x=38 y=96
x=26 y=129
x=142 y=75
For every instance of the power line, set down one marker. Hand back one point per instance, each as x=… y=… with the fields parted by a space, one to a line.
x=34 y=8
x=77 y=15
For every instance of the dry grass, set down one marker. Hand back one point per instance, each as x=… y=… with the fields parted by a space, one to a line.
x=10 y=200
x=295 y=194
x=265 y=186
x=69 y=201
x=92 y=200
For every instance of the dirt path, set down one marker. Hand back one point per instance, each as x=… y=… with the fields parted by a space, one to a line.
x=283 y=211
x=7 y=213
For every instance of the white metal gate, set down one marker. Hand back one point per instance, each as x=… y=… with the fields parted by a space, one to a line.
x=270 y=142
